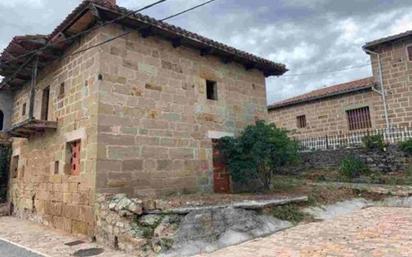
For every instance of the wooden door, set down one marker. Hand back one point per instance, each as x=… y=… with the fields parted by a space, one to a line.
x=221 y=176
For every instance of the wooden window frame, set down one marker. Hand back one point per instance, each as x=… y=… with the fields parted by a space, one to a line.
x=359 y=118
x=301 y=121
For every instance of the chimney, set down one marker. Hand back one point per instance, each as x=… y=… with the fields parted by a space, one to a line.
x=105 y=2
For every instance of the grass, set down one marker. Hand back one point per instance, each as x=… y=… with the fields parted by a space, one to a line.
x=290 y=212
x=286 y=183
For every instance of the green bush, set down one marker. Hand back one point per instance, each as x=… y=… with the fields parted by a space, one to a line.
x=373 y=142
x=257 y=153
x=406 y=146
x=352 y=167
x=289 y=212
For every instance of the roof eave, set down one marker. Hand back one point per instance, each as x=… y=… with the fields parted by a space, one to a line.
x=297 y=102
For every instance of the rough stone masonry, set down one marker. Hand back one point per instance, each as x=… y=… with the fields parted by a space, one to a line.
x=134 y=114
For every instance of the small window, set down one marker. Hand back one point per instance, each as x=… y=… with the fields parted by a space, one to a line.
x=23 y=110
x=301 y=121
x=409 y=52
x=1 y=120
x=74 y=157
x=211 y=90
x=359 y=118
x=14 y=166
x=56 y=167
x=61 y=90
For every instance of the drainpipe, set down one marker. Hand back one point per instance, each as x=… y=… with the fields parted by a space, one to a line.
x=382 y=92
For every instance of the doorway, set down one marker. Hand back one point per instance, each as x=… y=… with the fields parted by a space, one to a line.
x=45 y=104
x=221 y=175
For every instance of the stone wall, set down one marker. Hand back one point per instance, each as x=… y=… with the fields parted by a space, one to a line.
x=151 y=228
x=328 y=116
x=391 y=160
x=397 y=79
x=6 y=103
x=155 y=122
x=43 y=189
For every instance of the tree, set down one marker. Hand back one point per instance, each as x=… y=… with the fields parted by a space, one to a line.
x=257 y=153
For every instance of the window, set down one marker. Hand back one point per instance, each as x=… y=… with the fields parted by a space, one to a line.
x=211 y=90
x=45 y=104
x=56 y=167
x=301 y=121
x=359 y=118
x=61 y=90
x=14 y=166
x=409 y=52
x=23 y=111
x=74 y=157
x=1 y=120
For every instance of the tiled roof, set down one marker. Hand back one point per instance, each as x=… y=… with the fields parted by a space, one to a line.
x=335 y=90
x=377 y=42
x=78 y=20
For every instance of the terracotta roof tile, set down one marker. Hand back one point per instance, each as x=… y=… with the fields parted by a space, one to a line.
x=325 y=92
x=191 y=39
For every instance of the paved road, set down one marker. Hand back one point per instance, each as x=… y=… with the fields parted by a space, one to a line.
x=10 y=250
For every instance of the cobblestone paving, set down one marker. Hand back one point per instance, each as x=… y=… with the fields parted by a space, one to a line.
x=44 y=240
x=374 y=232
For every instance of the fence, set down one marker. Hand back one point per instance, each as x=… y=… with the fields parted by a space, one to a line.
x=354 y=139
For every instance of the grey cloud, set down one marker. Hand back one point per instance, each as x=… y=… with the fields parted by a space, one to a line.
x=309 y=36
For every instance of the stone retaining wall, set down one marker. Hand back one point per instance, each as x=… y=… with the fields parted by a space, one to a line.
x=151 y=227
x=390 y=160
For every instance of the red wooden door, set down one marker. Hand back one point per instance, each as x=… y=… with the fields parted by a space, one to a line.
x=75 y=158
x=221 y=176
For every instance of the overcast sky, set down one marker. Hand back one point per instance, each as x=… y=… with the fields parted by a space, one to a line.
x=312 y=37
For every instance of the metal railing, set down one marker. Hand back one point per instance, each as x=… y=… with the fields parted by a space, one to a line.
x=353 y=139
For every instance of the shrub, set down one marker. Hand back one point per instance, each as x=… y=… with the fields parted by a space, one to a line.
x=352 y=167
x=289 y=212
x=406 y=146
x=257 y=153
x=373 y=142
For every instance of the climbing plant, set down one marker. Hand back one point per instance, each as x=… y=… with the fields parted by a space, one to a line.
x=4 y=167
x=257 y=153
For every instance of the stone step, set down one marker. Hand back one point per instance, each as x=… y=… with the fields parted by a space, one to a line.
x=248 y=205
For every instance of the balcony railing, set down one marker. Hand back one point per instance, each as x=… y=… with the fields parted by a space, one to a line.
x=31 y=127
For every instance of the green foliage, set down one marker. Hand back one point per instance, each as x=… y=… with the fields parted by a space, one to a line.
x=288 y=212
x=352 y=167
x=258 y=152
x=373 y=142
x=406 y=146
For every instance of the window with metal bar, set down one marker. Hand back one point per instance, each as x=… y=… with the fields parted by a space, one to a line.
x=301 y=121
x=359 y=118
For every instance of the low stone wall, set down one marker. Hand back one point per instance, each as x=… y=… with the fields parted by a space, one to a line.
x=390 y=160
x=153 y=228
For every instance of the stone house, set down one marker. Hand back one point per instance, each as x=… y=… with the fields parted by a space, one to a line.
x=357 y=105
x=135 y=115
